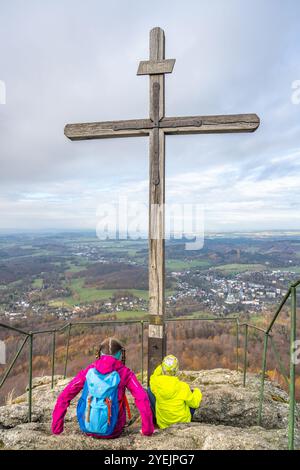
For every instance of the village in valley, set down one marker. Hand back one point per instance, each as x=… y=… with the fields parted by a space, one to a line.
x=53 y=277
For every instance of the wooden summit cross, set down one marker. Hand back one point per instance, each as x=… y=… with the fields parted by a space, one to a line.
x=157 y=126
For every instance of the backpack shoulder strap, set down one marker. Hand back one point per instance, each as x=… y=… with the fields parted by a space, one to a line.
x=127 y=407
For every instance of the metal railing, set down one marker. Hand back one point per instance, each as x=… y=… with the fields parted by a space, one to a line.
x=292 y=294
x=29 y=337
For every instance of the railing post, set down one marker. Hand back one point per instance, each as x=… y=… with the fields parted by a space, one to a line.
x=142 y=363
x=245 y=354
x=263 y=373
x=291 y=430
x=67 y=351
x=53 y=358
x=237 y=343
x=30 y=377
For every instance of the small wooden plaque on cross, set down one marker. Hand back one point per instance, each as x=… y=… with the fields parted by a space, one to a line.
x=157 y=126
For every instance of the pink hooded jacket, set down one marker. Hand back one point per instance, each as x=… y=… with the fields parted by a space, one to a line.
x=105 y=365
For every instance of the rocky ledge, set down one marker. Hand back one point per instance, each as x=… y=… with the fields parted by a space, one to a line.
x=226 y=419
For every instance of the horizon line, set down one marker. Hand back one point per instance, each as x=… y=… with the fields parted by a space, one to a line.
x=13 y=231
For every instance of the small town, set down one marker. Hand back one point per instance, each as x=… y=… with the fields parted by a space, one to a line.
x=242 y=293
x=250 y=292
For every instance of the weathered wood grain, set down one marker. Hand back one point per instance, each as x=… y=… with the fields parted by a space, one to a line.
x=107 y=129
x=157 y=53
x=156 y=333
x=211 y=124
x=155 y=67
x=157 y=226
x=170 y=125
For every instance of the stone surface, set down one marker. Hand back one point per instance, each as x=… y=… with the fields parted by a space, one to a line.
x=226 y=420
x=191 y=436
x=226 y=401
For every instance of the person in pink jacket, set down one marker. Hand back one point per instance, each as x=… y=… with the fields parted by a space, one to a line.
x=111 y=357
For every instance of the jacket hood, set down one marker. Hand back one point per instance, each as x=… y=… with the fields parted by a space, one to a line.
x=107 y=364
x=167 y=386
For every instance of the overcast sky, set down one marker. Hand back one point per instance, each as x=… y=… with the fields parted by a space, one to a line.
x=76 y=61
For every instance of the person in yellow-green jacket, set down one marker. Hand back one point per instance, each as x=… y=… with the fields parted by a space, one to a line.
x=172 y=401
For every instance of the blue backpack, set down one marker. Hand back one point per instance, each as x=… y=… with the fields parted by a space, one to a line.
x=98 y=406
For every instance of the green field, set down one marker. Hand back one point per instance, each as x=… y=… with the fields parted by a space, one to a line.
x=74 y=268
x=37 y=283
x=82 y=294
x=294 y=269
x=175 y=264
x=196 y=315
x=240 y=268
x=124 y=315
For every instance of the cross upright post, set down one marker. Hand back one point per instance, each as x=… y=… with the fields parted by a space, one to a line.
x=156 y=332
x=157 y=126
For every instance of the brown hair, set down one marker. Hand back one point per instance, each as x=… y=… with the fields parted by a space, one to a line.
x=111 y=346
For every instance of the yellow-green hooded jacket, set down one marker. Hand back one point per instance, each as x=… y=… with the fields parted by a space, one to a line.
x=174 y=399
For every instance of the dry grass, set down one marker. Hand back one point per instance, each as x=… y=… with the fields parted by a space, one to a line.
x=10 y=397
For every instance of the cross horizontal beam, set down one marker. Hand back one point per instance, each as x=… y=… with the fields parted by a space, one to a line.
x=170 y=125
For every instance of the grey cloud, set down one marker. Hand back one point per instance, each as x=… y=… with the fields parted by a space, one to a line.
x=69 y=61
